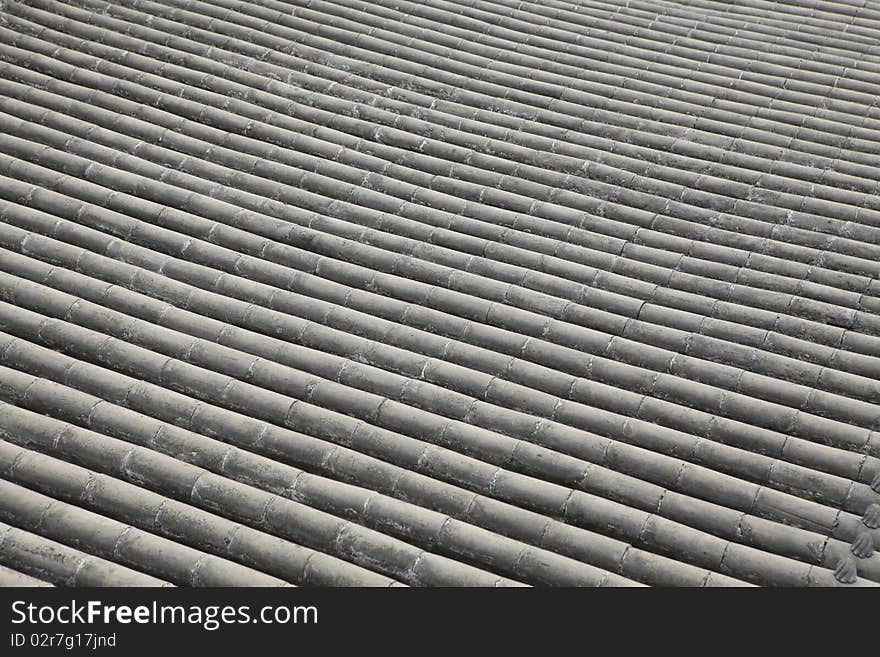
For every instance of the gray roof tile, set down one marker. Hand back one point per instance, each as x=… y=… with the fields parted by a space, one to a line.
x=439 y=293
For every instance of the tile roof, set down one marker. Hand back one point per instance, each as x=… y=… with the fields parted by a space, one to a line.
x=444 y=293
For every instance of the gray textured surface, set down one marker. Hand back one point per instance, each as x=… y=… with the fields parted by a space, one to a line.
x=439 y=293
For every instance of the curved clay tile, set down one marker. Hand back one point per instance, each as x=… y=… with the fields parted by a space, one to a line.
x=484 y=293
